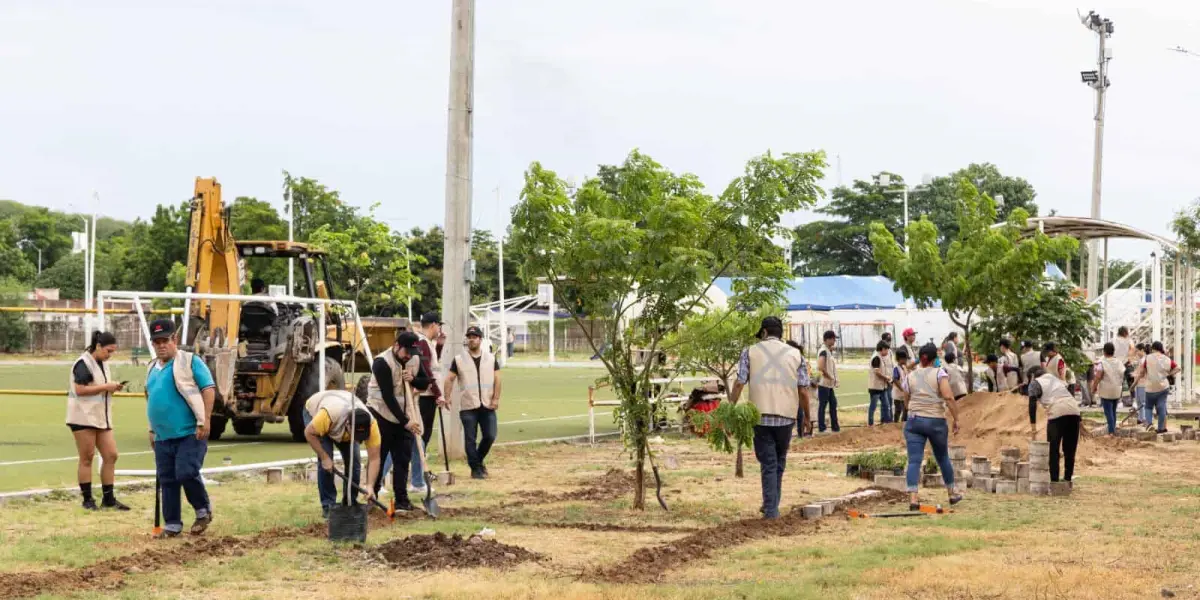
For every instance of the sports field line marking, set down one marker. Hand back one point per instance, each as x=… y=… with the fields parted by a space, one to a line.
x=76 y=457
x=543 y=419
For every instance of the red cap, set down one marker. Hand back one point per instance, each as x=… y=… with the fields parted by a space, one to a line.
x=908 y=332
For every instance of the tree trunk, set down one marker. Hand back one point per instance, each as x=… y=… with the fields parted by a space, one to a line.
x=969 y=358
x=639 y=478
x=738 y=472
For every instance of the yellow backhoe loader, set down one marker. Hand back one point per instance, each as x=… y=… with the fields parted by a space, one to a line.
x=264 y=354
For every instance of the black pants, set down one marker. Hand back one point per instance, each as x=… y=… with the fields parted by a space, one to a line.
x=899 y=411
x=428 y=408
x=1063 y=431
x=397 y=442
x=771 y=448
x=1033 y=411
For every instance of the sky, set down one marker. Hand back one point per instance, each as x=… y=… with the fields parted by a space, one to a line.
x=134 y=99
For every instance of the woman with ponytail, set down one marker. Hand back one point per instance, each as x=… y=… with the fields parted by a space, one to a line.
x=89 y=415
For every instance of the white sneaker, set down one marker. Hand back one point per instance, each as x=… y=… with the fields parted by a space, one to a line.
x=412 y=489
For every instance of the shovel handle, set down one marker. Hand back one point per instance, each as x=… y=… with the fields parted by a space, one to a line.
x=360 y=488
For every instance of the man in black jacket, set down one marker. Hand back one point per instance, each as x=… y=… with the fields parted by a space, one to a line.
x=396 y=414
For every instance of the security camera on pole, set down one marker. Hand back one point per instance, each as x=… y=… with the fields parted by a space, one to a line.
x=1097 y=80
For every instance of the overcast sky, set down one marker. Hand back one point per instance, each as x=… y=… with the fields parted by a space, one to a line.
x=135 y=99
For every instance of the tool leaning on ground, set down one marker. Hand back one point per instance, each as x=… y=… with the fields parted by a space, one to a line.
x=429 y=502
x=157 y=507
x=446 y=478
x=389 y=512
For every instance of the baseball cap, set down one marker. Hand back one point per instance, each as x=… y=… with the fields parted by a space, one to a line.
x=407 y=340
x=773 y=323
x=474 y=331
x=430 y=318
x=162 y=329
x=908 y=332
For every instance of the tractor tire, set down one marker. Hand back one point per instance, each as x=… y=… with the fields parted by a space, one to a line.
x=248 y=426
x=360 y=389
x=218 y=428
x=310 y=384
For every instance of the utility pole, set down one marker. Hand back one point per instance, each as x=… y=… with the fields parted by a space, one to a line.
x=458 y=271
x=1097 y=80
x=500 y=263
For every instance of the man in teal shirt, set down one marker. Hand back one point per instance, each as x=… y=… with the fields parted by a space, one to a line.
x=179 y=405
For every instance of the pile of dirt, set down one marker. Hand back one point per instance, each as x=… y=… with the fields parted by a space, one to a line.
x=613 y=484
x=987 y=422
x=439 y=551
x=647 y=565
x=110 y=574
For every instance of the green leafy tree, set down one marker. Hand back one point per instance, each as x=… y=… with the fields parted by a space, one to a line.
x=154 y=247
x=316 y=206
x=430 y=245
x=986 y=270
x=1054 y=312
x=13 y=262
x=253 y=219
x=939 y=200
x=638 y=246
x=14 y=332
x=67 y=276
x=45 y=231
x=486 y=287
x=841 y=245
x=369 y=260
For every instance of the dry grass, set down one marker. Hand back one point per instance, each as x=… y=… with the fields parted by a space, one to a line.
x=1127 y=531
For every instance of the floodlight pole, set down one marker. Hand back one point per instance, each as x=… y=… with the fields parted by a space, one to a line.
x=1103 y=29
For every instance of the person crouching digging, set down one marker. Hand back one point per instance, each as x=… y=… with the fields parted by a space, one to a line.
x=1062 y=419
x=327 y=424
x=778 y=380
x=928 y=392
x=390 y=406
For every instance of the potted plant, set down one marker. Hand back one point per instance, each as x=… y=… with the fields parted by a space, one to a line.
x=930 y=477
x=853 y=464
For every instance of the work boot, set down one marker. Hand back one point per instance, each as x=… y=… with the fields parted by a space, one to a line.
x=201 y=524
x=166 y=534
x=477 y=473
x=325 y=512
x=484 y=470
x=404 y=505
x=89 y=504
x=113 y=504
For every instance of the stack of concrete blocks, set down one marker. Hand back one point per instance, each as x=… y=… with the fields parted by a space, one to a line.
x=1039 y=468
x=1188 y=432
x=1009 y=458
x=981 y=474
x=1145 y=436
x=891 y=482
x=1167 y=437
x=1023 y=478
x=958 y=462
x=824 y=508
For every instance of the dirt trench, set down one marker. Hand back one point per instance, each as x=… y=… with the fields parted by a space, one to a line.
x=441 y=551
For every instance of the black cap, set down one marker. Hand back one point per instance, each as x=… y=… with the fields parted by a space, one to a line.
x=991 y=358
x=407 y=340
x=474 y=331
x=771 y=323
x=829 y=335
x=1049 y=347
x=430 y=318
x=162 y=329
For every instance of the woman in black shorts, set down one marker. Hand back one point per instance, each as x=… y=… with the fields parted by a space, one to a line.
x=89 y=415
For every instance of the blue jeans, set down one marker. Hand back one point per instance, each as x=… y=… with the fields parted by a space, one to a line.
x=1140 y=394
x=326 y=485
x=1157 y=401
x=1110 y=413
x=917 y=431
x=826 y=398
x=177 y=462
x=428 y=407
x=485 y=420
x=885 y=409
x=771 y=448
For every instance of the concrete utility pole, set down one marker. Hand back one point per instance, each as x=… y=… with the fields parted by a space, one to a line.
x=1098 y=80
x=458 y=271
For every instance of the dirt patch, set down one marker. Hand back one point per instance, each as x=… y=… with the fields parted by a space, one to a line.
x=613 y=484
x=440 y=551
x=110 y=574
x=647 y=565
x=987 y=422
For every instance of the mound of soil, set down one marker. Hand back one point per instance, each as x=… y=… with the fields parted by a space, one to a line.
x=613 y=484
x=110 y=574
x=439 y=551
x=987 y=422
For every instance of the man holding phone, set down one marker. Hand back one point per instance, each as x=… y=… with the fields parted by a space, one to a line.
x=179 y=402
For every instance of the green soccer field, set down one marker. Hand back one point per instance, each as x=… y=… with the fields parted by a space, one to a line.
x=37 y=450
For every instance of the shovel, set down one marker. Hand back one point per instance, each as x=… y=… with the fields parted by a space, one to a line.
x=446 y=477
x=389 y=512
x=157 y=506
x=429 y=502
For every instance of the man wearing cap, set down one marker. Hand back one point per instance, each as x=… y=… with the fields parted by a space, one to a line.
x=826 y=398
x=180 y=393
x=910 y=343
x=427 y=400
x=479 y=372
x=387 y=398
x=778 y=380
x=334 y=417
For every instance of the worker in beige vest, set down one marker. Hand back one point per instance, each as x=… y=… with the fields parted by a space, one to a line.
x=1029 y=360
x=911 y=347
x=826 y=396
x=335 y=418
x=778 y=380
x=395 y=413
x=180 y=393
x=904 y=365
x=927 y=390
x=89 y=416
x=1156 y=371
x=889 y=367
x=477 y=371
x=1062 y=420
x=958 y=382
x=1054 y=363
x=879 y=375
x=1108 y=376
x=1010 y=365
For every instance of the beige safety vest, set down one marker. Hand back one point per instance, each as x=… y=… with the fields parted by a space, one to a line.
x=874 y=381
x=1112 y=373
x=1122 y=348
x=1056 y=398
x=1052 y=366
x=337 y=403
x=1156 y=367
x=1010 y=379
x=774 y=380
x=924 y=399
x=435 y=365
x=94 y=410
x=830 y=365
x=1029 y=360
x=897 y=386
x=476 y=385
x=185 y=382
x=958 y=383
x=375 y=393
